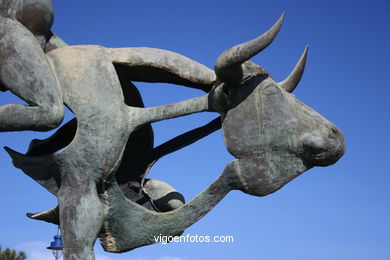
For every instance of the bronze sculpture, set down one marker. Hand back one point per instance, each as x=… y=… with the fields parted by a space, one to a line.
x=91 y=162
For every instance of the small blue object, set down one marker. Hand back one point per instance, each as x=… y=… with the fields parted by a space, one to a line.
x=56 y=244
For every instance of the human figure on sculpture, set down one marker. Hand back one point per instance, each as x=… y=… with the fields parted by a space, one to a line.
x=25 y=71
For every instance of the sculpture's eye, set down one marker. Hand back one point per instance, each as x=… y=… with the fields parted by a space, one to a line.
x=270 y=89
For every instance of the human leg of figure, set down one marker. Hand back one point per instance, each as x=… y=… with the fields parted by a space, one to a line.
x=81 y=218
x=26 y=72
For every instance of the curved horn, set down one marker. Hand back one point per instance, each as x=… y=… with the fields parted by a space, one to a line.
x=228 y=64
x=291 y=82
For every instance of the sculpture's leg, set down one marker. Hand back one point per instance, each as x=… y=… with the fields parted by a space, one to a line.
x=81 y=217
x=158 y=113
x=156 y=65
x=186 y=139
x=25 y=71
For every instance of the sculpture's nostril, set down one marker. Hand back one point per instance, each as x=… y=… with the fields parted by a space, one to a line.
x=334 y=132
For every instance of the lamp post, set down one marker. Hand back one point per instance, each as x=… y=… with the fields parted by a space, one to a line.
x=56 y=245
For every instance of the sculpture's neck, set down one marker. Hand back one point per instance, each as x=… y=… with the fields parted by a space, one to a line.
x=138 y=226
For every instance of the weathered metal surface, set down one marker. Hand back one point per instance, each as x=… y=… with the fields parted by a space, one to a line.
x=272 y=135
x=95 y=152
x=96 y=164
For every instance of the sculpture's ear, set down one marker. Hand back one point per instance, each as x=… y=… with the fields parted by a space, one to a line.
x=155 y=65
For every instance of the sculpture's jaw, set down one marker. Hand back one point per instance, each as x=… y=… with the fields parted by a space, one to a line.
x=260 y=176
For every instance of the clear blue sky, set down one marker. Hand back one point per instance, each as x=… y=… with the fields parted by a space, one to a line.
x=340 y=212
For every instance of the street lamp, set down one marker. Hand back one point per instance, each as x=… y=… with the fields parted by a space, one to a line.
x=56 y=246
